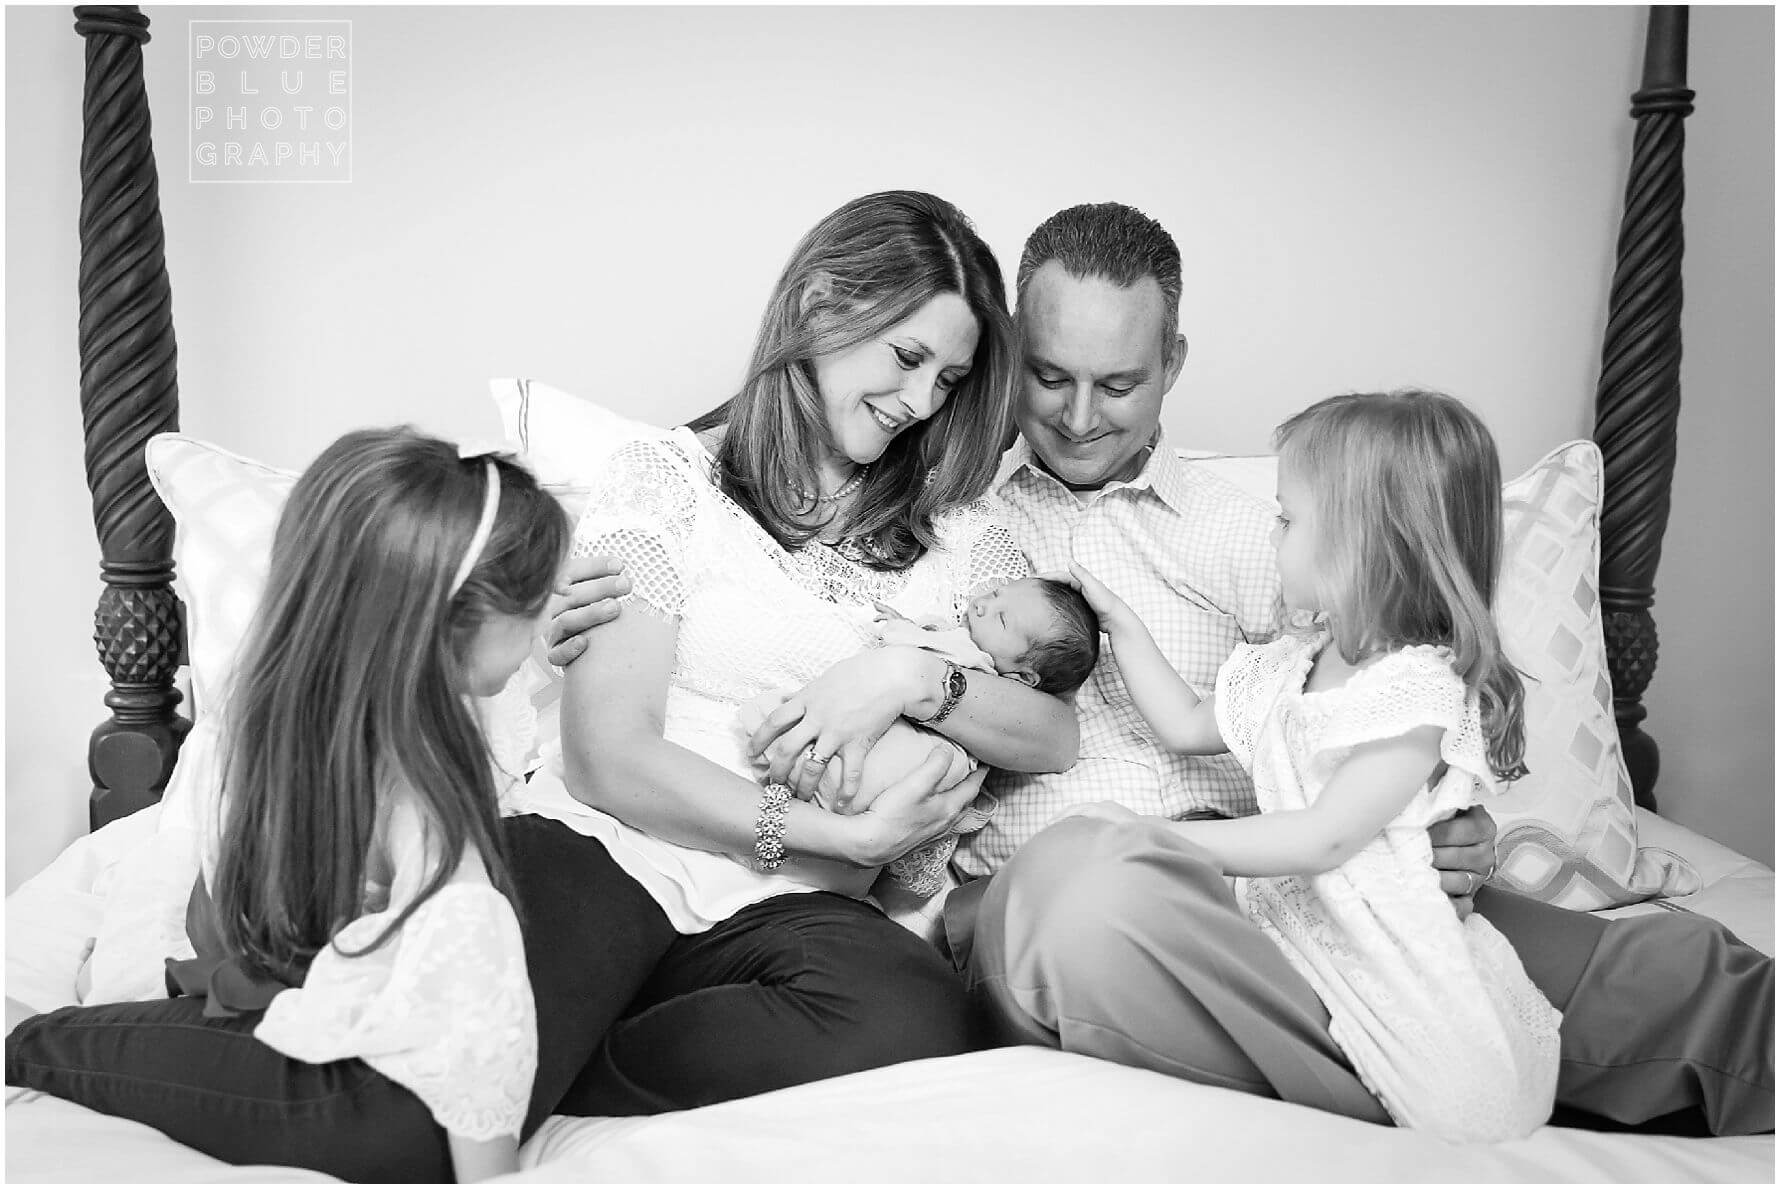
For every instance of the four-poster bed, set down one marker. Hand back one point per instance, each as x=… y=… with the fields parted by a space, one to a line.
x=1049 y=1113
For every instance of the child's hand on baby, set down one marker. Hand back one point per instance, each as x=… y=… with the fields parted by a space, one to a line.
x=1113 y=611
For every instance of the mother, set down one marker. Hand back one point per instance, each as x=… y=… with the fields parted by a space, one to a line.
x=676 y=960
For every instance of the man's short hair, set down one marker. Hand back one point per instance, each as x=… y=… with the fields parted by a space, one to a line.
x=1113 y=242
x=1065 y=658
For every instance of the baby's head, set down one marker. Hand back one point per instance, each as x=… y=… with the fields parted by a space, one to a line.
x=1037 y=631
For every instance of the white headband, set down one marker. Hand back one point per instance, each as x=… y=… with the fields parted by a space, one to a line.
x=491 y=503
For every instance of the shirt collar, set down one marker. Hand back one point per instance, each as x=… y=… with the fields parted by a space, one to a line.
x=1164 y=473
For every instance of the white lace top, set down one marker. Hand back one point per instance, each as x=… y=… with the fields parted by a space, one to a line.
x=1437 y=1016
x=444 y=1008
x=752 y=617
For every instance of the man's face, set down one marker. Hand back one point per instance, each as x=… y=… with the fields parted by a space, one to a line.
x=1094 y=369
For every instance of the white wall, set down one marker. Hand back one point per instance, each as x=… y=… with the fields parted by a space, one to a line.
x=602 y=198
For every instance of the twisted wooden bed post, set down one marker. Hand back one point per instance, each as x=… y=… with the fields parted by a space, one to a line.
x=128 y=393
x=1639 y=399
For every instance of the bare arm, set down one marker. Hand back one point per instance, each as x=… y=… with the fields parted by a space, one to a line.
x=586 y=596
x=616 y=760
x=1181 y=720
x=478 y=1160
x=1370 y=788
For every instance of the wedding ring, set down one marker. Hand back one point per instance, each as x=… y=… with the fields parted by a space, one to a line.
x=811 y=758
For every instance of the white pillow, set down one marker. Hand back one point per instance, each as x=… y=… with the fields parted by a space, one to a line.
x=562 y=438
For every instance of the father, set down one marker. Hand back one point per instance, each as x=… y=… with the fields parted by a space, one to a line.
x=1094 y=935
x=1098 y=935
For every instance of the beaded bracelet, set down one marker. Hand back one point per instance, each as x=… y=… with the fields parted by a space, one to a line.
x=769 y=827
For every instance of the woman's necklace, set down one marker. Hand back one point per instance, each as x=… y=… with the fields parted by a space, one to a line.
x=838 y=494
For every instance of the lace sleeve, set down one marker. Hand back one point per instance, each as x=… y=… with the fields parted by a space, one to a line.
x=444 y=1008
x=459 y=990
x=1247 y=684
x=1413 y=687
x=985 y=555
x=643 y=512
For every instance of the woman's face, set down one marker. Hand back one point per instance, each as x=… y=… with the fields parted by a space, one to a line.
x=877 y=389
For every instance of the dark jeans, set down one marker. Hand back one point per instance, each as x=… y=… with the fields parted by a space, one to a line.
x=633 y=1018
x=209 y=1084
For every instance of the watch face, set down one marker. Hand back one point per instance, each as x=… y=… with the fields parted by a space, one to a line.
x=955 y=683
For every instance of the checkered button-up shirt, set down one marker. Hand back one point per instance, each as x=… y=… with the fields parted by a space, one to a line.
x=1191 y=553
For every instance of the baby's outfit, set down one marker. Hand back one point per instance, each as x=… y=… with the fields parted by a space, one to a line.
x=1437 y=1015
x=953 y=643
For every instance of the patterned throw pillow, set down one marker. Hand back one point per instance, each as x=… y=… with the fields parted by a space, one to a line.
x=1566 y=832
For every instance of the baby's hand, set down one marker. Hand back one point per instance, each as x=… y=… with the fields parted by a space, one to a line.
x=886 y=611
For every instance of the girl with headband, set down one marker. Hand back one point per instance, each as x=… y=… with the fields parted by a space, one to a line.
x=358 y=1002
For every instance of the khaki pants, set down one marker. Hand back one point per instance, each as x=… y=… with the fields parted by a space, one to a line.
x=1124 y=942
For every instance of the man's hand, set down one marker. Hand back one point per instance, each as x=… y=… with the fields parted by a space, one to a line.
x=1464 y=855
x=586 y=596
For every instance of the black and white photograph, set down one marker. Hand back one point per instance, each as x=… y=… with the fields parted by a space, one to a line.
x=889 y=593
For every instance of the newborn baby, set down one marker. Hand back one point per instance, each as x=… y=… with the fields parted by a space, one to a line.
x=1033 y=630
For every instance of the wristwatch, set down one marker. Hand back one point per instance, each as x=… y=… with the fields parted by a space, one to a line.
x=952 y=687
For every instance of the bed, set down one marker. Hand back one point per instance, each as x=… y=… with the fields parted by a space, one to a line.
x=1016 y=1114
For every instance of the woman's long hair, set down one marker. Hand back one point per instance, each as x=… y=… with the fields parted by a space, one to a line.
x=865 y=268
x=1406 y=491
x=348 y=684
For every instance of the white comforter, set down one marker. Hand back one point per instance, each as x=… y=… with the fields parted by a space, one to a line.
x=1007 y=1115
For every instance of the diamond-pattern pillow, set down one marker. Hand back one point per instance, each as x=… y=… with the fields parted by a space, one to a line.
x=1566 y=833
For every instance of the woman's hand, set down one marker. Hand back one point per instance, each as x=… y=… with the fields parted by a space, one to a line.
x=911 y=811
x=1464 y=855
x=836 y=717
x=586 y=596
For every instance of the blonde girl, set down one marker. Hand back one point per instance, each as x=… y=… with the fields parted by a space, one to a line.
x=1392 y=709
x=358 y=1001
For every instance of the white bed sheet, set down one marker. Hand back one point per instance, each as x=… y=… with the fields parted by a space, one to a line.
x=1008 y=1115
